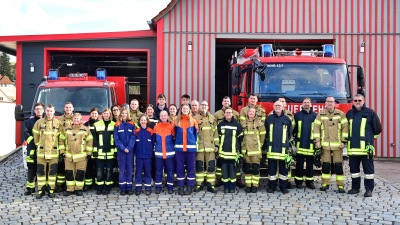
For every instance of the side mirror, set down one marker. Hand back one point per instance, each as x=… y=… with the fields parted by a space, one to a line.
x=262 y=76
x=19 y=113
x=360 y=77
x=361 y=91
x=240 y=102
x=237 y=90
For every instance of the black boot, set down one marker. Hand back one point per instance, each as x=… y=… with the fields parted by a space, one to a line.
x=51 y=193
x=254 y=189
x=189 y=191
x=28 y=191
x=40 y=194
x=180 y=191
x=248 y=189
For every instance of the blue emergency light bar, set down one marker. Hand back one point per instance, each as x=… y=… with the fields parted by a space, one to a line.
x=266 y=50
x=101 y=74
x=328 y=50
x=53 y=74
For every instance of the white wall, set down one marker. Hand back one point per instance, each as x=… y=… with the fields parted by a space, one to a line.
x=7 y=128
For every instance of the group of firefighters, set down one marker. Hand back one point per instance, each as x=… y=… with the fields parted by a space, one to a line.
x=199 y=148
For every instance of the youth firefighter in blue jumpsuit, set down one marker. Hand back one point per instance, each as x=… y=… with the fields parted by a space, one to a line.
x=279 y=130
x=31 y=148
x=104 y=152
x=304 y=140
x=46 y=134
x=227 y=140
x=365 y=126
x=144 y=146
x=125 y=142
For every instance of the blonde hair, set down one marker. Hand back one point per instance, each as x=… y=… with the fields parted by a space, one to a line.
x=77 y=115
x=128 y=118
x=179 y=116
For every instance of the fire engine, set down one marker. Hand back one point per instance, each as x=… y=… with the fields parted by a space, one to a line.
x=293 y=75
x=85 y=92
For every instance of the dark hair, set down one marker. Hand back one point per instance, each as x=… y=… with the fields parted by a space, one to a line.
x=94 y=109
x=252 y=94
x=150 y=105
x=68 y=103
x=186 y=96
x=39 y=104
x=50 y=106
x=173 y=106
x=306 y=98
x=226 y=97
x=161 y=96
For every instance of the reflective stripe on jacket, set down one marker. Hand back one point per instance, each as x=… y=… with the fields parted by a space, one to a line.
x=279 y=131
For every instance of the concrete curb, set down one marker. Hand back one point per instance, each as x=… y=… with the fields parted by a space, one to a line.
x=3 y=158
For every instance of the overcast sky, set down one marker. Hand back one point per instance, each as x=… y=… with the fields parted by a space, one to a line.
x=22 y=17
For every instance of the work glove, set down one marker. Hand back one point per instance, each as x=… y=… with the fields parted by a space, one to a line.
x=88 y=157
x=32 y=154
x=288 y=161
x=317 y=161
x=370 y=151
x=318 y=151
x=95 y=154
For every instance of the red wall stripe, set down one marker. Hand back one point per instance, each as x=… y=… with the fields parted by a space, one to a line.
x=394 y=79
x=244 y=16
x=160 y=58
x=388 y=84
x=18 y=125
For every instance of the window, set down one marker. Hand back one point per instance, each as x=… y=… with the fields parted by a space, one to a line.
x=1 y=98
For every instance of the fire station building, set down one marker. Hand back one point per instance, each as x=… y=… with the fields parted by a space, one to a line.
x=189 y=44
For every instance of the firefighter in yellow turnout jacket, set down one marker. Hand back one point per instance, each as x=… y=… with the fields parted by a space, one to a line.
x=219 y=116
x=205 y=158
x=331 y=133
x=78 y=141
x=66 y=121
x=254 y=136
x=46 y=135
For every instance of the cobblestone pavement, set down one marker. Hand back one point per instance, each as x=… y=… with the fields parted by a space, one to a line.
x=300 y=206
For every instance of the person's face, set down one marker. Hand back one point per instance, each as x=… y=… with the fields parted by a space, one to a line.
x=204 y=107
x=161 y=101
x=39 y=111
x=185 y=101
x=330 y=103
x=49 y=113
x=278 y=107
x=306 y=104
x=134 y=105
x=185 y=110
x=251 y=113
x=226 y=103
x=172 y=110
x=358 y=102
x=253 y=100
x=143 y=122
x=195 y=106
x=124 y=115
x=149 y=111
x=94 y=115
x=228 y=114
x=68 y=108
x=76 y=120
x=106 y=115
x=115 y=111
x=164 y=116
x=283 y=100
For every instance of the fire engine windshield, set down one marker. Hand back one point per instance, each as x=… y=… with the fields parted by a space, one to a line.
x=83 y=98
x=297 y=81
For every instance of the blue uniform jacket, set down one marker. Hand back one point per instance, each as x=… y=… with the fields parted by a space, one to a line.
x=144 y=146
x=124 y=135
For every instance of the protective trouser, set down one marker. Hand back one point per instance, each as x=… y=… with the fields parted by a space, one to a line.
x=46 y=173
x=169 y=165
x=32 y=168
x=251 y=169
x=91 y=171
x=326 y=167
x=188 y=159
x=61 y=173
x=205 y=167
x=143 y=165
x=218 y=171
x=104 y=177
x=116 y=172
x=368 y=167
x=125 y=163
x=228 y=173
x=283 y=174
x=309 y=159
x=75 y=175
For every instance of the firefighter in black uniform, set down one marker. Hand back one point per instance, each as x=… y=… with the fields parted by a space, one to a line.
x=304 y=142
x=91 y=170
x=279 y=131
x=227 y=141
x=365 y=126
x=31 y=148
